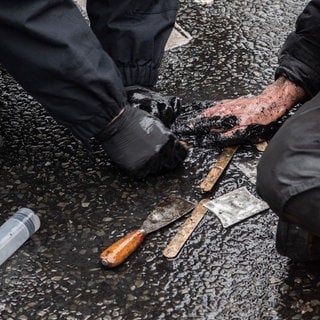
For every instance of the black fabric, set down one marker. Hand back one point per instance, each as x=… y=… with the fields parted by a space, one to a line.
x=134 y=33
x=49 y=48
x=303 y=210
x=299 y=57
x=296 y=243
x=289 y=170
x=52 y=52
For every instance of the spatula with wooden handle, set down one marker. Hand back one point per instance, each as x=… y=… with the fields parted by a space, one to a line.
x=167 y=211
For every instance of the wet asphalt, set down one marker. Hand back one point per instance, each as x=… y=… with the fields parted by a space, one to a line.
x=85 y=203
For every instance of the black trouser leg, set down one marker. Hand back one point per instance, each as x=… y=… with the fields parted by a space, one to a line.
x=303 y=210
x=289 y=171
x=49 y=48
x=134 y=34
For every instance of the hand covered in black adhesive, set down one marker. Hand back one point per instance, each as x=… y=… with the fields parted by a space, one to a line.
x=165 y=108
x=246 y=119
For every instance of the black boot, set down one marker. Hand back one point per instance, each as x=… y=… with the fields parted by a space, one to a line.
x=296 y=243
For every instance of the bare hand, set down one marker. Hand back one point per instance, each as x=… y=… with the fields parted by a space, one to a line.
x=246 y=118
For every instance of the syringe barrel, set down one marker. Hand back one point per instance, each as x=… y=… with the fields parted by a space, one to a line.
x=16 y=231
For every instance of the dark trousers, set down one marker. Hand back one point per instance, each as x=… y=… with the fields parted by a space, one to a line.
x=289 y=170
x=76 y=72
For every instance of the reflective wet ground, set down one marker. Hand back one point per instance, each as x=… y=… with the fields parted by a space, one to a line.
x=85 y=204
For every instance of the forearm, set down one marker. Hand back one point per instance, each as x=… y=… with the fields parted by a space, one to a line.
x=51 y=51
x=285 y=93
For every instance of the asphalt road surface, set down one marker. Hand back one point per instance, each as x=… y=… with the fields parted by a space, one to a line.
x=85 y=203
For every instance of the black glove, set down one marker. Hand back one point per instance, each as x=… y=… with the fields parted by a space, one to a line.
x=165 y=108
x=140 y=144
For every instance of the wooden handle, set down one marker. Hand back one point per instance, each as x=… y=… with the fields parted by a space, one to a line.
x=223 y=160
x=119 y=251
x=178 y=241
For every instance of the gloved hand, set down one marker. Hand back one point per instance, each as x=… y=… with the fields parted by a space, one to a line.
x=165 y=108
x=246 y=119
x=140 y=144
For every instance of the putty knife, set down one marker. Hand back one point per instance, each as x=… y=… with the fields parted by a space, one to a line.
x=167 y=211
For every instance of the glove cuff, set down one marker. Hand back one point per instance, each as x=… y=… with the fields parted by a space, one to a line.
x=115 y=125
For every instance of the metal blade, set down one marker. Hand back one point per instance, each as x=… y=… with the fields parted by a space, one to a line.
x=167 y=211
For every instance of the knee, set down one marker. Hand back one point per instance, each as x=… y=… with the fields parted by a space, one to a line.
x=278 y=171
x=289 y=166
x=289 y=169
x=269 y=183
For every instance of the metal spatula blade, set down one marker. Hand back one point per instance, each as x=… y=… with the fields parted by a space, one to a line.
x=165 y=212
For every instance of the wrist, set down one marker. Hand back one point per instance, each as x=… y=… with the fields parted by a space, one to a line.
x=285 y=93
x=113 y=126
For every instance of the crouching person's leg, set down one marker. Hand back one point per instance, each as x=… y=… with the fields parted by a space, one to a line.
x=289 y=181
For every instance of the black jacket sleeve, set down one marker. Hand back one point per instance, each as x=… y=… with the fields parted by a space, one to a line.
x=50 y=50
x=299 y=57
